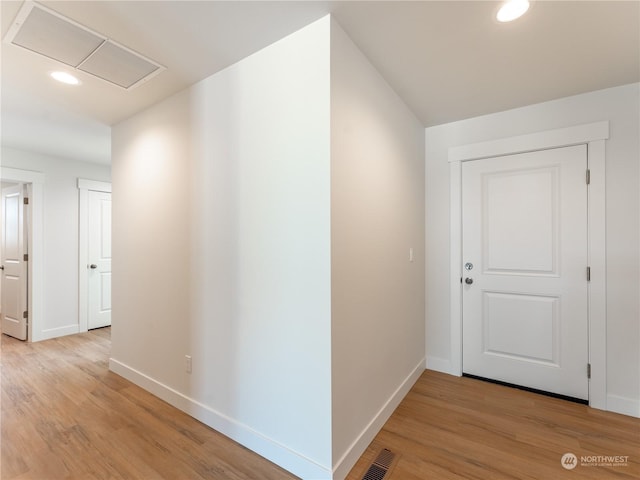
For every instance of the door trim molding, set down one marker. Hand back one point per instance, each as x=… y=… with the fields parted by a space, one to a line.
x=35 y=246
x=594 y=136
x=84 y=186
x=94 y=185
x=561 y=137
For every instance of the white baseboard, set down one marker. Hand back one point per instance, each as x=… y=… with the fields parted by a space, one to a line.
x=343 y=466
x=55 y=332
x=623 y=405
x=270 y=449
x=442 y=365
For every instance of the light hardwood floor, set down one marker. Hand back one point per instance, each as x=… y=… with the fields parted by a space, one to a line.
x=65 y=416
x=459 y=428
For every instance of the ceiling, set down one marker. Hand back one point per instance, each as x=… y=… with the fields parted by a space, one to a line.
x=448 y=60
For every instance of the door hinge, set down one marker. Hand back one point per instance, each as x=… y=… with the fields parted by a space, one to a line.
x=588 y=370
x=588 y=176
x=25 y=314
x=26 y=257
x=26 y=200
x=588 y=274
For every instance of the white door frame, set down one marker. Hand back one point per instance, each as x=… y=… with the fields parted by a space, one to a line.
x=84 y=186
x=35 y=242
x=594 y=136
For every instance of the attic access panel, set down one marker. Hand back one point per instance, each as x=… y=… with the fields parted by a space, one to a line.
x=118 y=65
x=46 y=32
x=54 y=37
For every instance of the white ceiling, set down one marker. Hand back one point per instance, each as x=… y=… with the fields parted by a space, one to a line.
x=448 y=60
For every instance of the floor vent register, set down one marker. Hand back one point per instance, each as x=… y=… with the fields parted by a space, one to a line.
x=381 y=466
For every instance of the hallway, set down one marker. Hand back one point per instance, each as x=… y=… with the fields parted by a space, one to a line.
x=65 y=416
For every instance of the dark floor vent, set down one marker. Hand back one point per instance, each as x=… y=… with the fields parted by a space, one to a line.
x=380 y=466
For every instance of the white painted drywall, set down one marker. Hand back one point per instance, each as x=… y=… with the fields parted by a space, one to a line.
x=621 y=107
x=377 y=216
x=221 y=251
x=244 y=208
x=60 y=262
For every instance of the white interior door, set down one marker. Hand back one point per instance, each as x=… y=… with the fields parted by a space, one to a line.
x=14 y=271
x=525 y=317
x=99 y=250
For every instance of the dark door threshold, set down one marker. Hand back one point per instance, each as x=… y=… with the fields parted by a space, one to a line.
x=528 y=389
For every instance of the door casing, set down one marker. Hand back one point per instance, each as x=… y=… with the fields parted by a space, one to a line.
x=594 y=136
x=35 y=242
x=15 y=326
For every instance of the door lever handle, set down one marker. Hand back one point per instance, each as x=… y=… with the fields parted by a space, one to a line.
x=93 y=266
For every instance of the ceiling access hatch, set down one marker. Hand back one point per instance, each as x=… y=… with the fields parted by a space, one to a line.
x=43 y=31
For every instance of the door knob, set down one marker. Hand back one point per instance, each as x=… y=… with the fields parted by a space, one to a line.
x=93 y=265
x=1 y=267
x=468 y=281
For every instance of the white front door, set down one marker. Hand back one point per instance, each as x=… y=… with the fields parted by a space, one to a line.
x=14 y=267
x=525 y=317
x=99 y=249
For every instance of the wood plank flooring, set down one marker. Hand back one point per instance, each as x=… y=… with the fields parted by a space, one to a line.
x=459 y=428
x=65 y=416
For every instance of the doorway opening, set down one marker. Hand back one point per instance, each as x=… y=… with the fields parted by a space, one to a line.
x=28 y=301
x=94 y=264
x=592 y=135
x=524 y=296
x=14 y=234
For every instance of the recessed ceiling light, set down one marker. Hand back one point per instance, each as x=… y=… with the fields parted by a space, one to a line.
x=512 y=9
x=65 y=77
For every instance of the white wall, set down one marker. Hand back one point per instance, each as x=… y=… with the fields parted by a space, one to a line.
x=60 y=262
x=377 y=215
x=262 y=224
x=221 y=251
x=621 y=107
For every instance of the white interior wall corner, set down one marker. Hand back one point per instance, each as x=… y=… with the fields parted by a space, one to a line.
x=377 y=216
x=230 y=181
